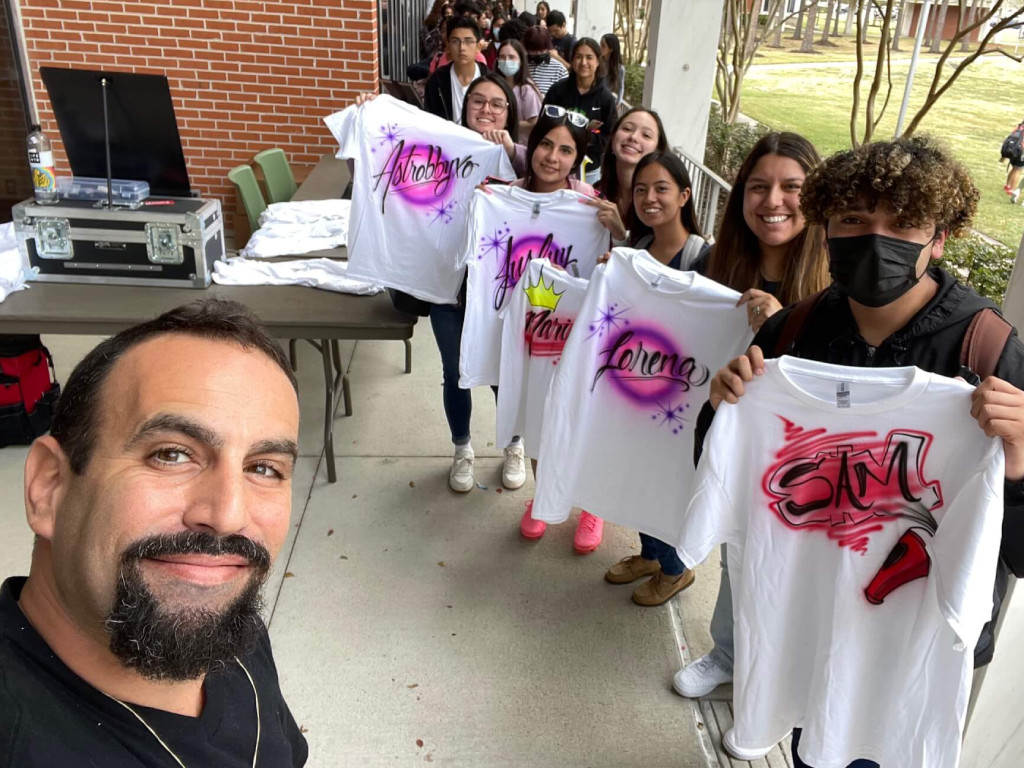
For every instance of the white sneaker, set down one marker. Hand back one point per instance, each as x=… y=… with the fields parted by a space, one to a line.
x=701 y=677
x=1015 y=196
x=750 y=755
x=461 y=476
x=513 y=474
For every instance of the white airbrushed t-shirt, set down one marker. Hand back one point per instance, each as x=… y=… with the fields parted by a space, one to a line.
x=535 y=328
x=863 y=512
x=414 y=175
x=617 y=434
x=508 y=227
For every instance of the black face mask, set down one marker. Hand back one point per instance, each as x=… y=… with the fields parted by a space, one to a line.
x=539 y=58
x=874 y=270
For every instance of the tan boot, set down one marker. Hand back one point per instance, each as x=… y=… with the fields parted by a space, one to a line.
x=660 y=588
x=630 y=569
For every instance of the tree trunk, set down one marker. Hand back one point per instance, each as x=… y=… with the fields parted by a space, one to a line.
x=940 y=26
x=972 y=16
x=798 y=32
x=777 y=42
x=807 y=46
x=866 y=10
x=852 y=8
x=899 y=25
x=828 y=22
x=835 y=21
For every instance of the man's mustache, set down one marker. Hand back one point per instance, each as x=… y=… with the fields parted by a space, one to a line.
x=199 y=543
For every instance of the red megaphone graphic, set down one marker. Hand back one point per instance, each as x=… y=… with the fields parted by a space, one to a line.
x=908 y=561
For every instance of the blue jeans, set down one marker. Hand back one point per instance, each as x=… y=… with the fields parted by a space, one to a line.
x=446 y=321
x=656 y=549
x=798 y=763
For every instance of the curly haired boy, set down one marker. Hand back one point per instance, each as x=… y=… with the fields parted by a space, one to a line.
x=888 y=209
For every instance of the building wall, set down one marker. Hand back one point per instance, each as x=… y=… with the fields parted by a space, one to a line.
x=244 y=75
x=15 y=183
x=949 y=28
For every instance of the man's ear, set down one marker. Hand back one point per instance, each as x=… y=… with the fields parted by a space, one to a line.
x=938 y=244
x=47 y=473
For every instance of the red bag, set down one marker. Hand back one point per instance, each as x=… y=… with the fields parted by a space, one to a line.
x=28 y=389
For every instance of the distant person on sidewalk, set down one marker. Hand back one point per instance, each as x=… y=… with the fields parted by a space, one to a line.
x=159 y=502
x=1013 y=151
x=615 y=70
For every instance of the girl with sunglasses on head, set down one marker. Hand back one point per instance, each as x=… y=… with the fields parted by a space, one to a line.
x=583 y=91
x=554 y=150
x=513 y=64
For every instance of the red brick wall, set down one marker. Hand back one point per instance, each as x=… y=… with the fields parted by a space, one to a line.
x=15 y=183
x=244 y=75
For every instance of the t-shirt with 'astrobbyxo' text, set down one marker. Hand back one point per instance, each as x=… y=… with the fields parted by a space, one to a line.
x=619 y=419
x=863 y=511
x=414 y=175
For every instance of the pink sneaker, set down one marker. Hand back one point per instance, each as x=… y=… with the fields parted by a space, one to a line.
x=530 y=528
x=588 y=533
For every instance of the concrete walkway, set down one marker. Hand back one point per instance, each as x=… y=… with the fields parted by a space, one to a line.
x=412 y=625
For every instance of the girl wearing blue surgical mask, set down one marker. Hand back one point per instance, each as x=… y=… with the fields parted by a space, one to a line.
x=512 y=64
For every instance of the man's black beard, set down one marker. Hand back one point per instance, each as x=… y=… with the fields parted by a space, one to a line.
x=185 y=643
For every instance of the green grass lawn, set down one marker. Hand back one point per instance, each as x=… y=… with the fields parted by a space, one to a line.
x=973 y=117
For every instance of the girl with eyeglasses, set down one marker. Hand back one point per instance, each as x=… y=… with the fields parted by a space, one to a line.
x=584 y=92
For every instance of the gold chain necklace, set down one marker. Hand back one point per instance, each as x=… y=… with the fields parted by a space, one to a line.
x=256 y=698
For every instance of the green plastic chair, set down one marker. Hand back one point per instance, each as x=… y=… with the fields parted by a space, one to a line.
x=277 y=174
x=244 y=179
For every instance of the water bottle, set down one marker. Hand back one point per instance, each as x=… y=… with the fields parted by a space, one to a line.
x=40 y=158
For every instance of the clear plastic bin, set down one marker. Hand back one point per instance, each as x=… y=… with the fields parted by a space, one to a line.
x=87 y=188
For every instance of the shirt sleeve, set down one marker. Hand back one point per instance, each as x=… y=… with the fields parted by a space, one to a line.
x=710 y=517
x=344 y=127
x=965 y=550
x=529 y=102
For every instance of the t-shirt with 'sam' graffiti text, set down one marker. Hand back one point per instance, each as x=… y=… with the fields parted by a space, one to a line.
x=535 y=328
x=619 y=420
x=863 y=511
x=414 y=176
x=508 y=227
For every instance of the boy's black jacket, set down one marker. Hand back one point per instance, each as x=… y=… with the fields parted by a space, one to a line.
x=932 y=341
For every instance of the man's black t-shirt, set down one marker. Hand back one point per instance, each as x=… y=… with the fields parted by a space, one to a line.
x=51 y=718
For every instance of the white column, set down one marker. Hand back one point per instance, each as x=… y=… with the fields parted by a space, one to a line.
x=681 y=68
x=1013 y=301
x=594 y=18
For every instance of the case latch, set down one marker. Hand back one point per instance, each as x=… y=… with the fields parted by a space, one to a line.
x=53 y=239
x=162 y=245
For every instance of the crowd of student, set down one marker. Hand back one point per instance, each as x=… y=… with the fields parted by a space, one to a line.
x=558 y=88
x=832 y=261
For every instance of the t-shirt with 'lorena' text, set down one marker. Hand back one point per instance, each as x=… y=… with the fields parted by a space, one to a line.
x=863 y=512
x=414 y=174
x=507 y=228
x=619 y=418
x=535 y=328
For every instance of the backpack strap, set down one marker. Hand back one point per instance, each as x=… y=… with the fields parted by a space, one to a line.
x=983 y=345
x=793 y=325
